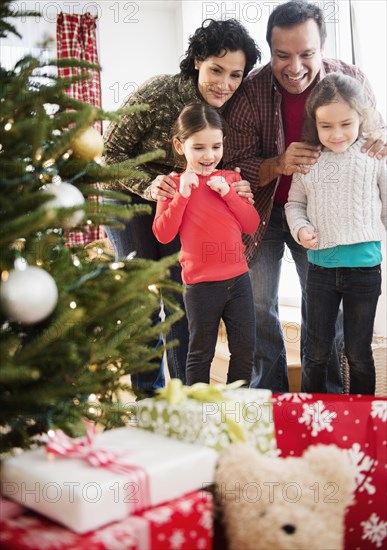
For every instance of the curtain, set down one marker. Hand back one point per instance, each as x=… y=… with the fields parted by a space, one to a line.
x=76 y=37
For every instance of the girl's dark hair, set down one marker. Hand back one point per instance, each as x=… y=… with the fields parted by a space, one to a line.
x=335 y=86
x=293 y=13
x=216 y=38
x=194 y=118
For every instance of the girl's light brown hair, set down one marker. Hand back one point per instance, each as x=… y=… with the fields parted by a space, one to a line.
x=335 y=86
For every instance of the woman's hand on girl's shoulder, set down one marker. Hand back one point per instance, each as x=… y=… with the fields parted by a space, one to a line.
x=163 y=187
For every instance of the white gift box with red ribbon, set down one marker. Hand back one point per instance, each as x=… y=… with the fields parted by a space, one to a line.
x=94 y=482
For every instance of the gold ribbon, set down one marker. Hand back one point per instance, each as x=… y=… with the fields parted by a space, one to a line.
x=175 y=393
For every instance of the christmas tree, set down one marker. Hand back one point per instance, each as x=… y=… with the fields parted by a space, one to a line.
x=72 y=326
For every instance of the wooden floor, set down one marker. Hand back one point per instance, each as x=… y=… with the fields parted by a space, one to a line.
x=291 y=329
x=219 y=366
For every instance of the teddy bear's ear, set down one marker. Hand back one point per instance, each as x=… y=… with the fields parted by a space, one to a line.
x=332 y=464
x=230 y=461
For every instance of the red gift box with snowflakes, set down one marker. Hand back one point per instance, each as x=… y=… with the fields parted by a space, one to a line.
x=357 y=424
x=181 y=524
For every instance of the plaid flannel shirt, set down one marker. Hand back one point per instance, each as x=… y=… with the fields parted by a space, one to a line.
x=255 y=133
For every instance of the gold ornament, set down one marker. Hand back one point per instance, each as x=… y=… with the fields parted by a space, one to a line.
x=88 y=145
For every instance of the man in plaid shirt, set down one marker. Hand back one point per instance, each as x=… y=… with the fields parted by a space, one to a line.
x=264 y=135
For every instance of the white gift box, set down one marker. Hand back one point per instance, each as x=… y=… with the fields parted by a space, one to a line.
x=84 y=498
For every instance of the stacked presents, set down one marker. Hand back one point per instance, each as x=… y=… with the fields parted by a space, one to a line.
x=131 y=488
x=150 y=487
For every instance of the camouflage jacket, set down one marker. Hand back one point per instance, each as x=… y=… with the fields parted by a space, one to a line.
x=144 y=132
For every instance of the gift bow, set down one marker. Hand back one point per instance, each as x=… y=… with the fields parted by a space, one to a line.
x=174 y=393
x=60 y=444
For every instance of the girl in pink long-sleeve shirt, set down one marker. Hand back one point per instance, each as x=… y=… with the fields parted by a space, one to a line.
x=210 y=218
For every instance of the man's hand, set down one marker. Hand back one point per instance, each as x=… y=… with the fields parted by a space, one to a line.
x=243 y=188
x=296 y=156
x=163 y=187
x=307 y=237
x=188 y=180
x=376 y=144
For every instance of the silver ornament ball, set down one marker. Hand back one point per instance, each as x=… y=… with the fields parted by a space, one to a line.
x=66 y=196
x=29 y=295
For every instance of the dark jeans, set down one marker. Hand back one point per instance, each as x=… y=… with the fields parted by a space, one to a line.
x=208 y=303
x=270 y=366
x=359 y=290
x=138 y=236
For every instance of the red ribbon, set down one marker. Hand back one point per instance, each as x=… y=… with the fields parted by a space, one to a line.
x=62 y=445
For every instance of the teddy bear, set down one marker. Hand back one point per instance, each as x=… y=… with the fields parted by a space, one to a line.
x=284 y=503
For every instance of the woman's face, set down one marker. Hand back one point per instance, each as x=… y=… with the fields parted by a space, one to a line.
x=220 y=77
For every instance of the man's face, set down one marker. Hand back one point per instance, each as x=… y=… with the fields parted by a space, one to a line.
x=296 y=55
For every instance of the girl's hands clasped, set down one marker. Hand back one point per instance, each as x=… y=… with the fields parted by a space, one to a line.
x=163 y=187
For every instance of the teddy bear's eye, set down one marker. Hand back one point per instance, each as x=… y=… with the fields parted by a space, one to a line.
x=289 y=529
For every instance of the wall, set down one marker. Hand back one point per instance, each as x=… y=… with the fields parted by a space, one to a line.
x=136 y=39
x=135 y=44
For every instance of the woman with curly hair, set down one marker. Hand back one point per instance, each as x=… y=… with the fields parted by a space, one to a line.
x=220 y=54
